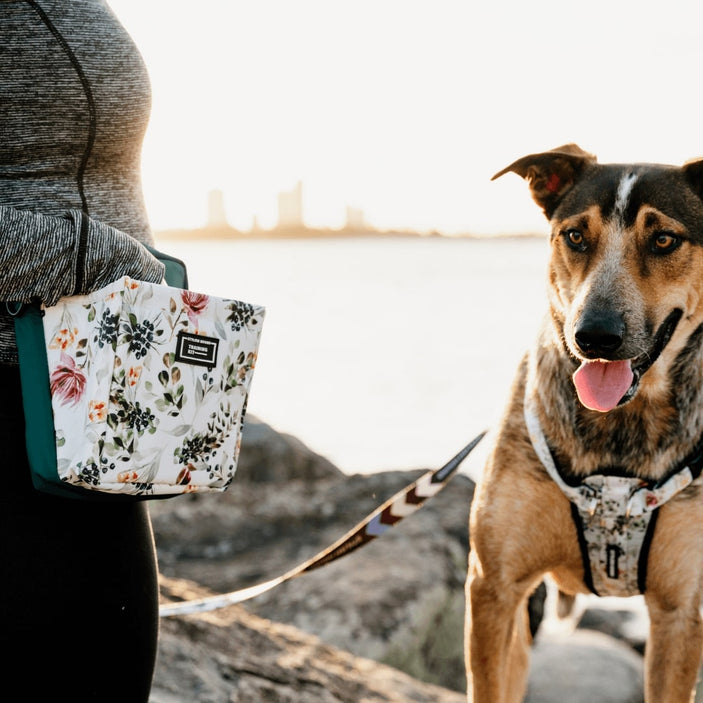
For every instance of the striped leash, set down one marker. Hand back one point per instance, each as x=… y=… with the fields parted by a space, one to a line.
x=401 y=505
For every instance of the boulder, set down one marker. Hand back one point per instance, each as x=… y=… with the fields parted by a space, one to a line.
x=583 y=667
x=626 y=619
x=399 y=600
x=268 y=456
x=231 y=656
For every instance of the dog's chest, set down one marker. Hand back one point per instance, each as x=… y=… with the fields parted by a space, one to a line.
x=614 y=515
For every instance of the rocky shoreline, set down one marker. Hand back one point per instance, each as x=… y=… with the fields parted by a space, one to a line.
x=382 y=624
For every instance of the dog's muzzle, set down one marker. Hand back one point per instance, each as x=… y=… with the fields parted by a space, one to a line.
x=603 y=383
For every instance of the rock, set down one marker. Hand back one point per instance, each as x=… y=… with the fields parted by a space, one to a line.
x=399 y=600
x=231 y=656
x=628 y=623
x=268 y=456
x=584 y=667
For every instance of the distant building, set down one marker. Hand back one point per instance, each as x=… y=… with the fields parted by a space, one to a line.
x=216 y=215
x=290 y=207
x=355 y=219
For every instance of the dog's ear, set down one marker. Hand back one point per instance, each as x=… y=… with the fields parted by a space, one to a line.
x=693 y=172
x=551 y=173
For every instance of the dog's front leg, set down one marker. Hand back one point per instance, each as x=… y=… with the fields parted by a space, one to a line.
x=497 y=638
x=673 y=597
x=673 y=653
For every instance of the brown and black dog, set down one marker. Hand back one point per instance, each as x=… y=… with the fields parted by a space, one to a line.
x=599 y=448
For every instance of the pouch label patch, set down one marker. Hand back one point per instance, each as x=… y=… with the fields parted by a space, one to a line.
x=196 y=349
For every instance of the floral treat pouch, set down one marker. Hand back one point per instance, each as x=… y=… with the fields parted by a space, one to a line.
x=149 y=386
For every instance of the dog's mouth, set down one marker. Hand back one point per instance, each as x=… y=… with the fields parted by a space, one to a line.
x=603 y=385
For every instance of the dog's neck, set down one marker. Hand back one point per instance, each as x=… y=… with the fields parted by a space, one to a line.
x=645 y=437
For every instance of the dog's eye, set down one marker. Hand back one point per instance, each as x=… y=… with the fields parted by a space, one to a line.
x=664 y=242
x=575 y=239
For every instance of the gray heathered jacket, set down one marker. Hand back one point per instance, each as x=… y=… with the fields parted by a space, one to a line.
x=74 y=106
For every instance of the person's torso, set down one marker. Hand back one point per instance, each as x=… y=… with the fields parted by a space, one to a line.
x=74 y=106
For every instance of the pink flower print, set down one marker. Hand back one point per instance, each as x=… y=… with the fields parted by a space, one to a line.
x=651 y=500
x=67 y=381
x=63 y=338
x=97 y=410
x=133 y=375
x=195 y=303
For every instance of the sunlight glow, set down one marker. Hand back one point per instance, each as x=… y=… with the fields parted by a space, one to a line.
x=403 y=108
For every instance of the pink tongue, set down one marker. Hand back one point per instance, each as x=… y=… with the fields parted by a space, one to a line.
x=602 y=384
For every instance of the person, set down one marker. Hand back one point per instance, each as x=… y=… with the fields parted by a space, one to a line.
x=79 y=588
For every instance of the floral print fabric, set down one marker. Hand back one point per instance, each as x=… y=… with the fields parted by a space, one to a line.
x=149 y=387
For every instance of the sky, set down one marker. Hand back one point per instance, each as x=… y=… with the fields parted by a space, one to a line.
x=404 y=108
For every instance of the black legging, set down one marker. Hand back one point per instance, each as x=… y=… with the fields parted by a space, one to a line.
x=78 y=587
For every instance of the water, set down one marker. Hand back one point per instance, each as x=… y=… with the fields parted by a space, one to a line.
x=381 y=353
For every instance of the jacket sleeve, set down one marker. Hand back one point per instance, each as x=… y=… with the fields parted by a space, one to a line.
x=45 y=257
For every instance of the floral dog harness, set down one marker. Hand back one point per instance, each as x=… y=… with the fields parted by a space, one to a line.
x=615 y=517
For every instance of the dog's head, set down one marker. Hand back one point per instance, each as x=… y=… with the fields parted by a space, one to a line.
x=626 y=263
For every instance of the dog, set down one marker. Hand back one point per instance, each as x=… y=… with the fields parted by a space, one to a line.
x=593 y=475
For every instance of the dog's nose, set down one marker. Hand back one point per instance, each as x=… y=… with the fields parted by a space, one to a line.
x=598 y=335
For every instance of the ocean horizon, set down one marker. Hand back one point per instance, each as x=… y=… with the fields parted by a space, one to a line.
x=380 y=353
